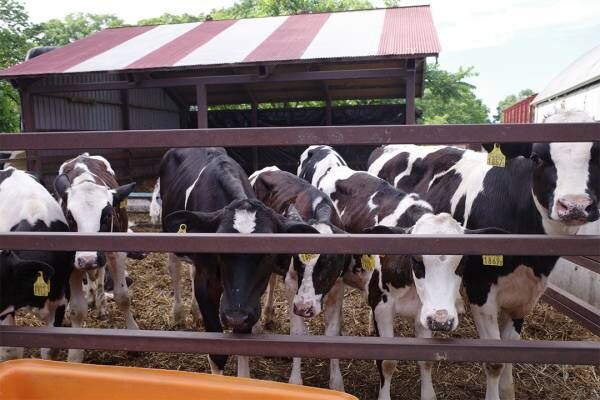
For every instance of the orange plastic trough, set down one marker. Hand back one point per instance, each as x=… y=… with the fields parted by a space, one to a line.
x=49 y=380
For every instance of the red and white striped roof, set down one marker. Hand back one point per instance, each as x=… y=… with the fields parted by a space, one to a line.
x=405 y=31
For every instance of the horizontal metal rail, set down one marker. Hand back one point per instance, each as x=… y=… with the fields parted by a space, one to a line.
x=303 y=136
x=297 y=243
x=344 y=347
x=585 y=262
x=572 y=306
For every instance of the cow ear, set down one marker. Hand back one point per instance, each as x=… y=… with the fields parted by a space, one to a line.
x=382 y=230
x=193 y=221
x=62 y=185
x=486 y=231
x=122 y=192
x=511 y=150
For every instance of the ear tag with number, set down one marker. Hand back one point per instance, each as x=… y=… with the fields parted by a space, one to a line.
x=496 y=158
x=182 y=228
x=494 y=261
x=40 y=287
x=306 y=258
x=123 y=204
x=367 y=262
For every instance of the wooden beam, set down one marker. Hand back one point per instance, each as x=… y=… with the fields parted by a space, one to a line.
x=202 y=113
x=28 y=125
x=410 y=92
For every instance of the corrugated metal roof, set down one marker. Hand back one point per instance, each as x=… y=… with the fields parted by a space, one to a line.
x=585 y=70
x=403 y=31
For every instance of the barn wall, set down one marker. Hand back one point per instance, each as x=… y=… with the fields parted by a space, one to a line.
x=586 y=99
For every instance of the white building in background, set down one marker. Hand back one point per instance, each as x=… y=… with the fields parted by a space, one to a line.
x=575 y=88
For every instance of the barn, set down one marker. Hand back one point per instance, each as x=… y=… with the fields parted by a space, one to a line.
x=273 y=71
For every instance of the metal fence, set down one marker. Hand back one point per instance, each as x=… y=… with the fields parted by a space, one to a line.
x=460 y=350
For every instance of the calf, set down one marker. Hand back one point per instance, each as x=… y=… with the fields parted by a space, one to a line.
x=310 y=284
x=204 y=190
x=26 y=206
x=423 y=288
x=550 y=188
x=93 y=201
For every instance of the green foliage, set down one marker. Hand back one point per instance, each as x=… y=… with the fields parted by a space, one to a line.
x=449 y=99
x=56 y=32
x=167 y=18
x=392 y=3
x=509 y=101
x=263 y=8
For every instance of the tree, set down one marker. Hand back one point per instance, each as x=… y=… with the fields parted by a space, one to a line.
x=56 y=32
x=449 y=99
x=14 y=43
x=167 y=18
x=509 y=101
x=264 y=8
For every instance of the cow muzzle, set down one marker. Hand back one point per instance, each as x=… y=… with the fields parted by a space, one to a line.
x=238 y=320
x=575 y=209
x=89 y=261
x=440 y=321
x=305 y=311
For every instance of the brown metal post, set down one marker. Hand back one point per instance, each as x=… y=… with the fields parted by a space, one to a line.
x=254 y=123
x=410 y=91
x=202 y=106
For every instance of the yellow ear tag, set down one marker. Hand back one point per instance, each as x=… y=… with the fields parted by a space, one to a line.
x=123 y=204
x=494 y=261
x=306 y=258
x=182 y=228
x=367 y=262
x=496 y=158
x=40 y=287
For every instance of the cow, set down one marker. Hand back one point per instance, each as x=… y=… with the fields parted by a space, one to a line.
x=421 y=288
x=92 y=202
x=26 y=206
x=205 y=190
x=316 y=284
x=544 y=188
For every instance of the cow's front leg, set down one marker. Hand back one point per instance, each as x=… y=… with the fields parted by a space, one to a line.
x=297 y=326
x=175 y=272
x=269 y=311
x=99 y=294
x=486 y=320
x=333 y=327
x=77 y=310
x=9 y=353
x=427 y=390
x=117 y=265
x=208 y=290
x=52 y=315
x=383 y=315
x=196 y=315
x=509 y=329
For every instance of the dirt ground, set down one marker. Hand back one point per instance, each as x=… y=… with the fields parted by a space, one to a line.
x=152 y=296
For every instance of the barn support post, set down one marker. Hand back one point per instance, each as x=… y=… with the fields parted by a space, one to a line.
x=328 y=117
x=254 y=124
x=410 y=92
x=125 y=124
x=202 y=113
x=28 y=125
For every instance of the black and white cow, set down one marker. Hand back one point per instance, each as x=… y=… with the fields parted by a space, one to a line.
x=551 y=188
x=421 y=288
x=93 y=201
x=26 y=206
x=207 y=191
x=314 y=284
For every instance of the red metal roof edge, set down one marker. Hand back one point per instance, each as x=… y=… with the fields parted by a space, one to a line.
x=520 y=102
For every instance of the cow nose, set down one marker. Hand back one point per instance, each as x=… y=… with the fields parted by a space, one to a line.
x=303 y=311
x=237 y=320
x=572 y=207
x=87 y=262
x=440 y=321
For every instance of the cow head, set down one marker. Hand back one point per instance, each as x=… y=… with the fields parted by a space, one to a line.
x=565 y=179
x=17 y=279
x=90 y=208
x=244 y=276
x=315 y=274
x=437 y=278
x=316 y=160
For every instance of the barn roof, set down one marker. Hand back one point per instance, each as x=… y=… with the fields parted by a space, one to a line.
x=584 y=71
x=368 y=34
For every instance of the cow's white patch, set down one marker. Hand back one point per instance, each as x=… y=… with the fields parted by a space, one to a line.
x=439 y=289
x=7 y=310
x=156 y=204
x=327 y=183
x=105 y=162
x=323 y=228
x=408 y=201
x=316 y=202
x=572 y=162
x=188 y=191
x=370 y=203
x=23 y=198
x=306 y=297
x=390 y=151
x=244 y=221
x=252 y=178
x=331 y=161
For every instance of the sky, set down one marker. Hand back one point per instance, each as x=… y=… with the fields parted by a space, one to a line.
x=511 y=44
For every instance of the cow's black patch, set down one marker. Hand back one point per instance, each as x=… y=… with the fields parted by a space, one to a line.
x=518 y=324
